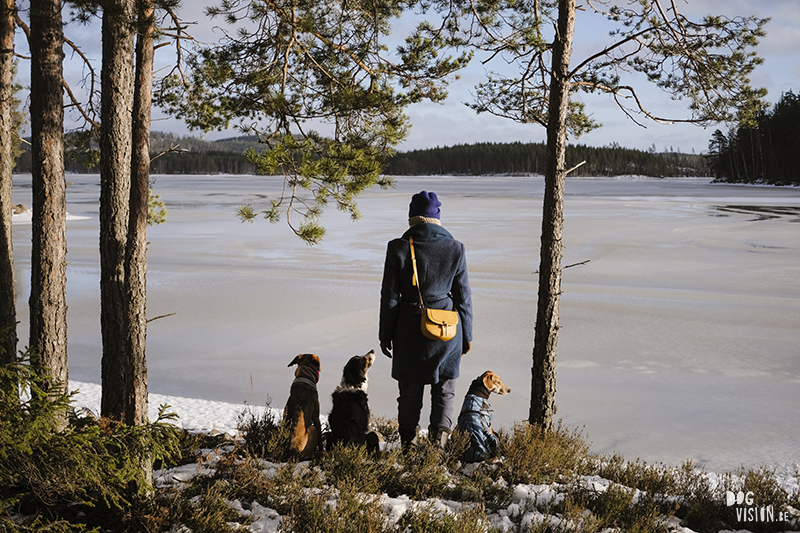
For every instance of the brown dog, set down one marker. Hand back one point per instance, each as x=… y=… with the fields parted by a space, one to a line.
x=476 y=417
x=492 y=383
x=301 y=414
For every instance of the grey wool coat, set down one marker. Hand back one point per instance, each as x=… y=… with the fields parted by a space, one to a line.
x=442 y=268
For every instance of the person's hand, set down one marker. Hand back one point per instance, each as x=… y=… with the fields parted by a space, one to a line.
x=386 y=348
x=467 y=348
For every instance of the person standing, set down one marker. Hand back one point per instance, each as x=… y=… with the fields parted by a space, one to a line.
x=416 y=360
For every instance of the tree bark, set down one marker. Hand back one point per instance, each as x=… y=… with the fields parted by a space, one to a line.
x=543 y=372
x=8 y=299
x=48 y=306
x=136 y=257
x=116 y=105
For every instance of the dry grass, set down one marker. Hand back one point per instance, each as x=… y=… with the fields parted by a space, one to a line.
x=340 y=491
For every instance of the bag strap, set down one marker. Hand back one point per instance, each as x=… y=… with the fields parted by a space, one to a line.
x=415 y=278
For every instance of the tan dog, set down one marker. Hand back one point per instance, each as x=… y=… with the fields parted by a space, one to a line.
x=492 y=382
x=301 y=414
x=475 y=418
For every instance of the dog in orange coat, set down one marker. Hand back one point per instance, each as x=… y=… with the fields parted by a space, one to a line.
x=301 y=413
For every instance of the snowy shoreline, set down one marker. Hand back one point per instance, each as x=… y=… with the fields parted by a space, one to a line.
x=195 y=414
x=26 y=217
x=209 y=417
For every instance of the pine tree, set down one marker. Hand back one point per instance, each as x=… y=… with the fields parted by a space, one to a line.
x=48 y=305
x=706 y=62
x=8 y=303
x=115 y=184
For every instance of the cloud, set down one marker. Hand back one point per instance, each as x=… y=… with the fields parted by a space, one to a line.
x=454 y=123
x=779 y=73
x=782 y=40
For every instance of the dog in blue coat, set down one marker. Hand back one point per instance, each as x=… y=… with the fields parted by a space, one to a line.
x=475 y=418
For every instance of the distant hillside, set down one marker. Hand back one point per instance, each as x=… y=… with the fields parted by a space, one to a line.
x=191 y=155
x=160 y=142
x=174 y=154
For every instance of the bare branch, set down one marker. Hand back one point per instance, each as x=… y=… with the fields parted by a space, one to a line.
x=569 y=266
x=607 y=50
x=75 y=102
x=161 y=316
x=575 y=167
x=179 y=36
x=174 y=148
x=577 y=264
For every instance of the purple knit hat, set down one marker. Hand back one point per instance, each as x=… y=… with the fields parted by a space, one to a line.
x=424 y=204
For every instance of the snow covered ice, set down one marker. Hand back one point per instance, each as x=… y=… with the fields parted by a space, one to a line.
x=679 y=337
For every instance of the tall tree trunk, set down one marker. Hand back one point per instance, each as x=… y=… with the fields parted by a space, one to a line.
x=115 y=180
x=136 y=259
x=543 y=372
x=8 y=299
x=48 y=306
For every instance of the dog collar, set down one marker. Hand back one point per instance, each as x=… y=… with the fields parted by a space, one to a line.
x=306 y=381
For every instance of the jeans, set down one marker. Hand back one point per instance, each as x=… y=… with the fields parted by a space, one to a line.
x=409 y=404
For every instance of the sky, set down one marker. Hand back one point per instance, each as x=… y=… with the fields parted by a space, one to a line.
x=452 y=122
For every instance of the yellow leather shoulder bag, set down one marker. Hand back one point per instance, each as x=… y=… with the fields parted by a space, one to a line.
x=436 y=324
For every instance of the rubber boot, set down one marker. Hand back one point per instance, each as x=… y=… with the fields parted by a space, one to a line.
x=407 y=438
x=439 y=435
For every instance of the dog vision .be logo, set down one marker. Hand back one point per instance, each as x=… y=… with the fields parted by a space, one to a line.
x=747 y=511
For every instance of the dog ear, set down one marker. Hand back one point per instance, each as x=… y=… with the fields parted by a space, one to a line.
x=488 y=379
x=295 y=361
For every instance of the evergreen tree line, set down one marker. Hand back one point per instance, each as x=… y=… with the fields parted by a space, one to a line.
x=528 y=158
x=173 y=154
x=768 y=153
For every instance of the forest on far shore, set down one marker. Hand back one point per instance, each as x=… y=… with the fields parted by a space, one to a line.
x=174 y=154
x=528 y=158
x=767 y=153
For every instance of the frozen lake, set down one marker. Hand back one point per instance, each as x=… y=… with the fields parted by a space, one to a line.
x=680 y=338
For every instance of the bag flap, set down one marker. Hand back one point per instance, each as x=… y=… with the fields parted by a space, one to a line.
x=442 y=316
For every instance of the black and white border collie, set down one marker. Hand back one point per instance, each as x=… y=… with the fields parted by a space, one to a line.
x=349 y=418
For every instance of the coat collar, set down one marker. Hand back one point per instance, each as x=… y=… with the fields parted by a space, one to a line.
x=427 y=232
x=478 y=388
